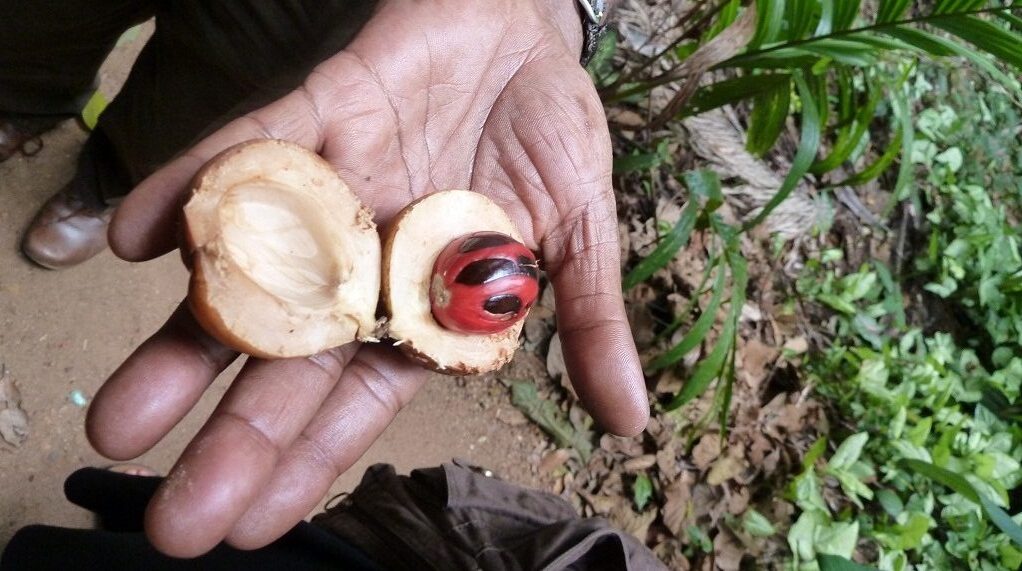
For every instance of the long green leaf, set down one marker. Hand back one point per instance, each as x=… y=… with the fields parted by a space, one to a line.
x=707 y=370
x=903 y=112
x=959 y=484
x=920 y=39
x=638 y=162
x=829 y=562
x=547 y=416
x=849 y=139
x=807 y=147
x=844 y=14
x=769 y=18
x=957 y=6
x=714 y=365
x=891 y=10
x=799 y=17
x=733 y=90
x=1012 y=20
x=705 y=186
x=819 y=85
x=727 y=16
x=826 y=22
x=782 y=59
x=706 y=196
x=847 y=96
x=668 y=247
x=985 y=35
x=769 y=112
x=842 y=50
x=739 y=283
x=699 y=329
x=879 y=166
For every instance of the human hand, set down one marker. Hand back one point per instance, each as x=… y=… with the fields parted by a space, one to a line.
x=430 y=96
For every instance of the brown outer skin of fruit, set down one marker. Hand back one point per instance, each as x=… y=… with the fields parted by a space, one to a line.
x=210 y=320
x=207 y=317
x=460 y=369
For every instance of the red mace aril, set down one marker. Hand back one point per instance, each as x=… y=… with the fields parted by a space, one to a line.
x=483 y=283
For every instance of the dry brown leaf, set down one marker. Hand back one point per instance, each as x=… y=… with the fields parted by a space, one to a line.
x=630 y=447
x=724 y=469
x=13 y=420
x=511 y=416
x=706 y=451
x=756 y=356
x=625 y=117
x=670 y=552
x=624 y=240
x=600 y=504
x=640 y=463
x=677 y=509
x=797 y=345
x=553 y=460
x=738 y=500
x=689 y=265
x=727 y=551
x=555 y=359
x=708 y=502
x=628 y=521
x=538 y=325
x=661 y=429
x=642 y=323
x=667 y=463
x=727 y=44
x=793 y=417
x=759 y=447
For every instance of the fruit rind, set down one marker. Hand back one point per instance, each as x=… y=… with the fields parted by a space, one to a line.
x=411 y=245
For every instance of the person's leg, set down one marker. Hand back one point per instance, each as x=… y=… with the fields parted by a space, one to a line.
x=210 y=62
x=50 y=51
x=207 y=63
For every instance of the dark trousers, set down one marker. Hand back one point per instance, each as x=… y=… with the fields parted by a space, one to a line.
x=208 y=62
x=119 y=502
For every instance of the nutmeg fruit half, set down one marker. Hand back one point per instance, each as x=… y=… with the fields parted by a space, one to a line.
x=450 y=231
x=285 y=260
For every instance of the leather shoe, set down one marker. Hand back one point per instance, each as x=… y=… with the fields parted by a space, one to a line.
x=20 y=133
x=66 y=231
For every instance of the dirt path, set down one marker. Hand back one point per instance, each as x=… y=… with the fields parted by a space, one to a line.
x=62 y=333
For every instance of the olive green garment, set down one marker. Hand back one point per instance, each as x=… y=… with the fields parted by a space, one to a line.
x=455 y=518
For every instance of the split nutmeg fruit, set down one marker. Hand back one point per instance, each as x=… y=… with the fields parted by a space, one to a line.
x=287 y=262
x=285 y=259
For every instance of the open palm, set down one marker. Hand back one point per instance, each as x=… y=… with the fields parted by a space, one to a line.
x=430 y=96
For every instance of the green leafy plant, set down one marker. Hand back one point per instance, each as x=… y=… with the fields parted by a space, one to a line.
x=841 y=71
x=974 y=245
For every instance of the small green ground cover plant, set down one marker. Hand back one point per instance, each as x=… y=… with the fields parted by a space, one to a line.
x=929 y=465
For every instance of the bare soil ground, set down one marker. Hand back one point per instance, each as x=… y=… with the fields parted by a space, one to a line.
x=62 y=333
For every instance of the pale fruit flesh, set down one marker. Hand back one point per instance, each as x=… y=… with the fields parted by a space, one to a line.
x=285 y=259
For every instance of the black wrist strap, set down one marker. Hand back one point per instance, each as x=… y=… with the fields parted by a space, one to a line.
x=593 y=25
